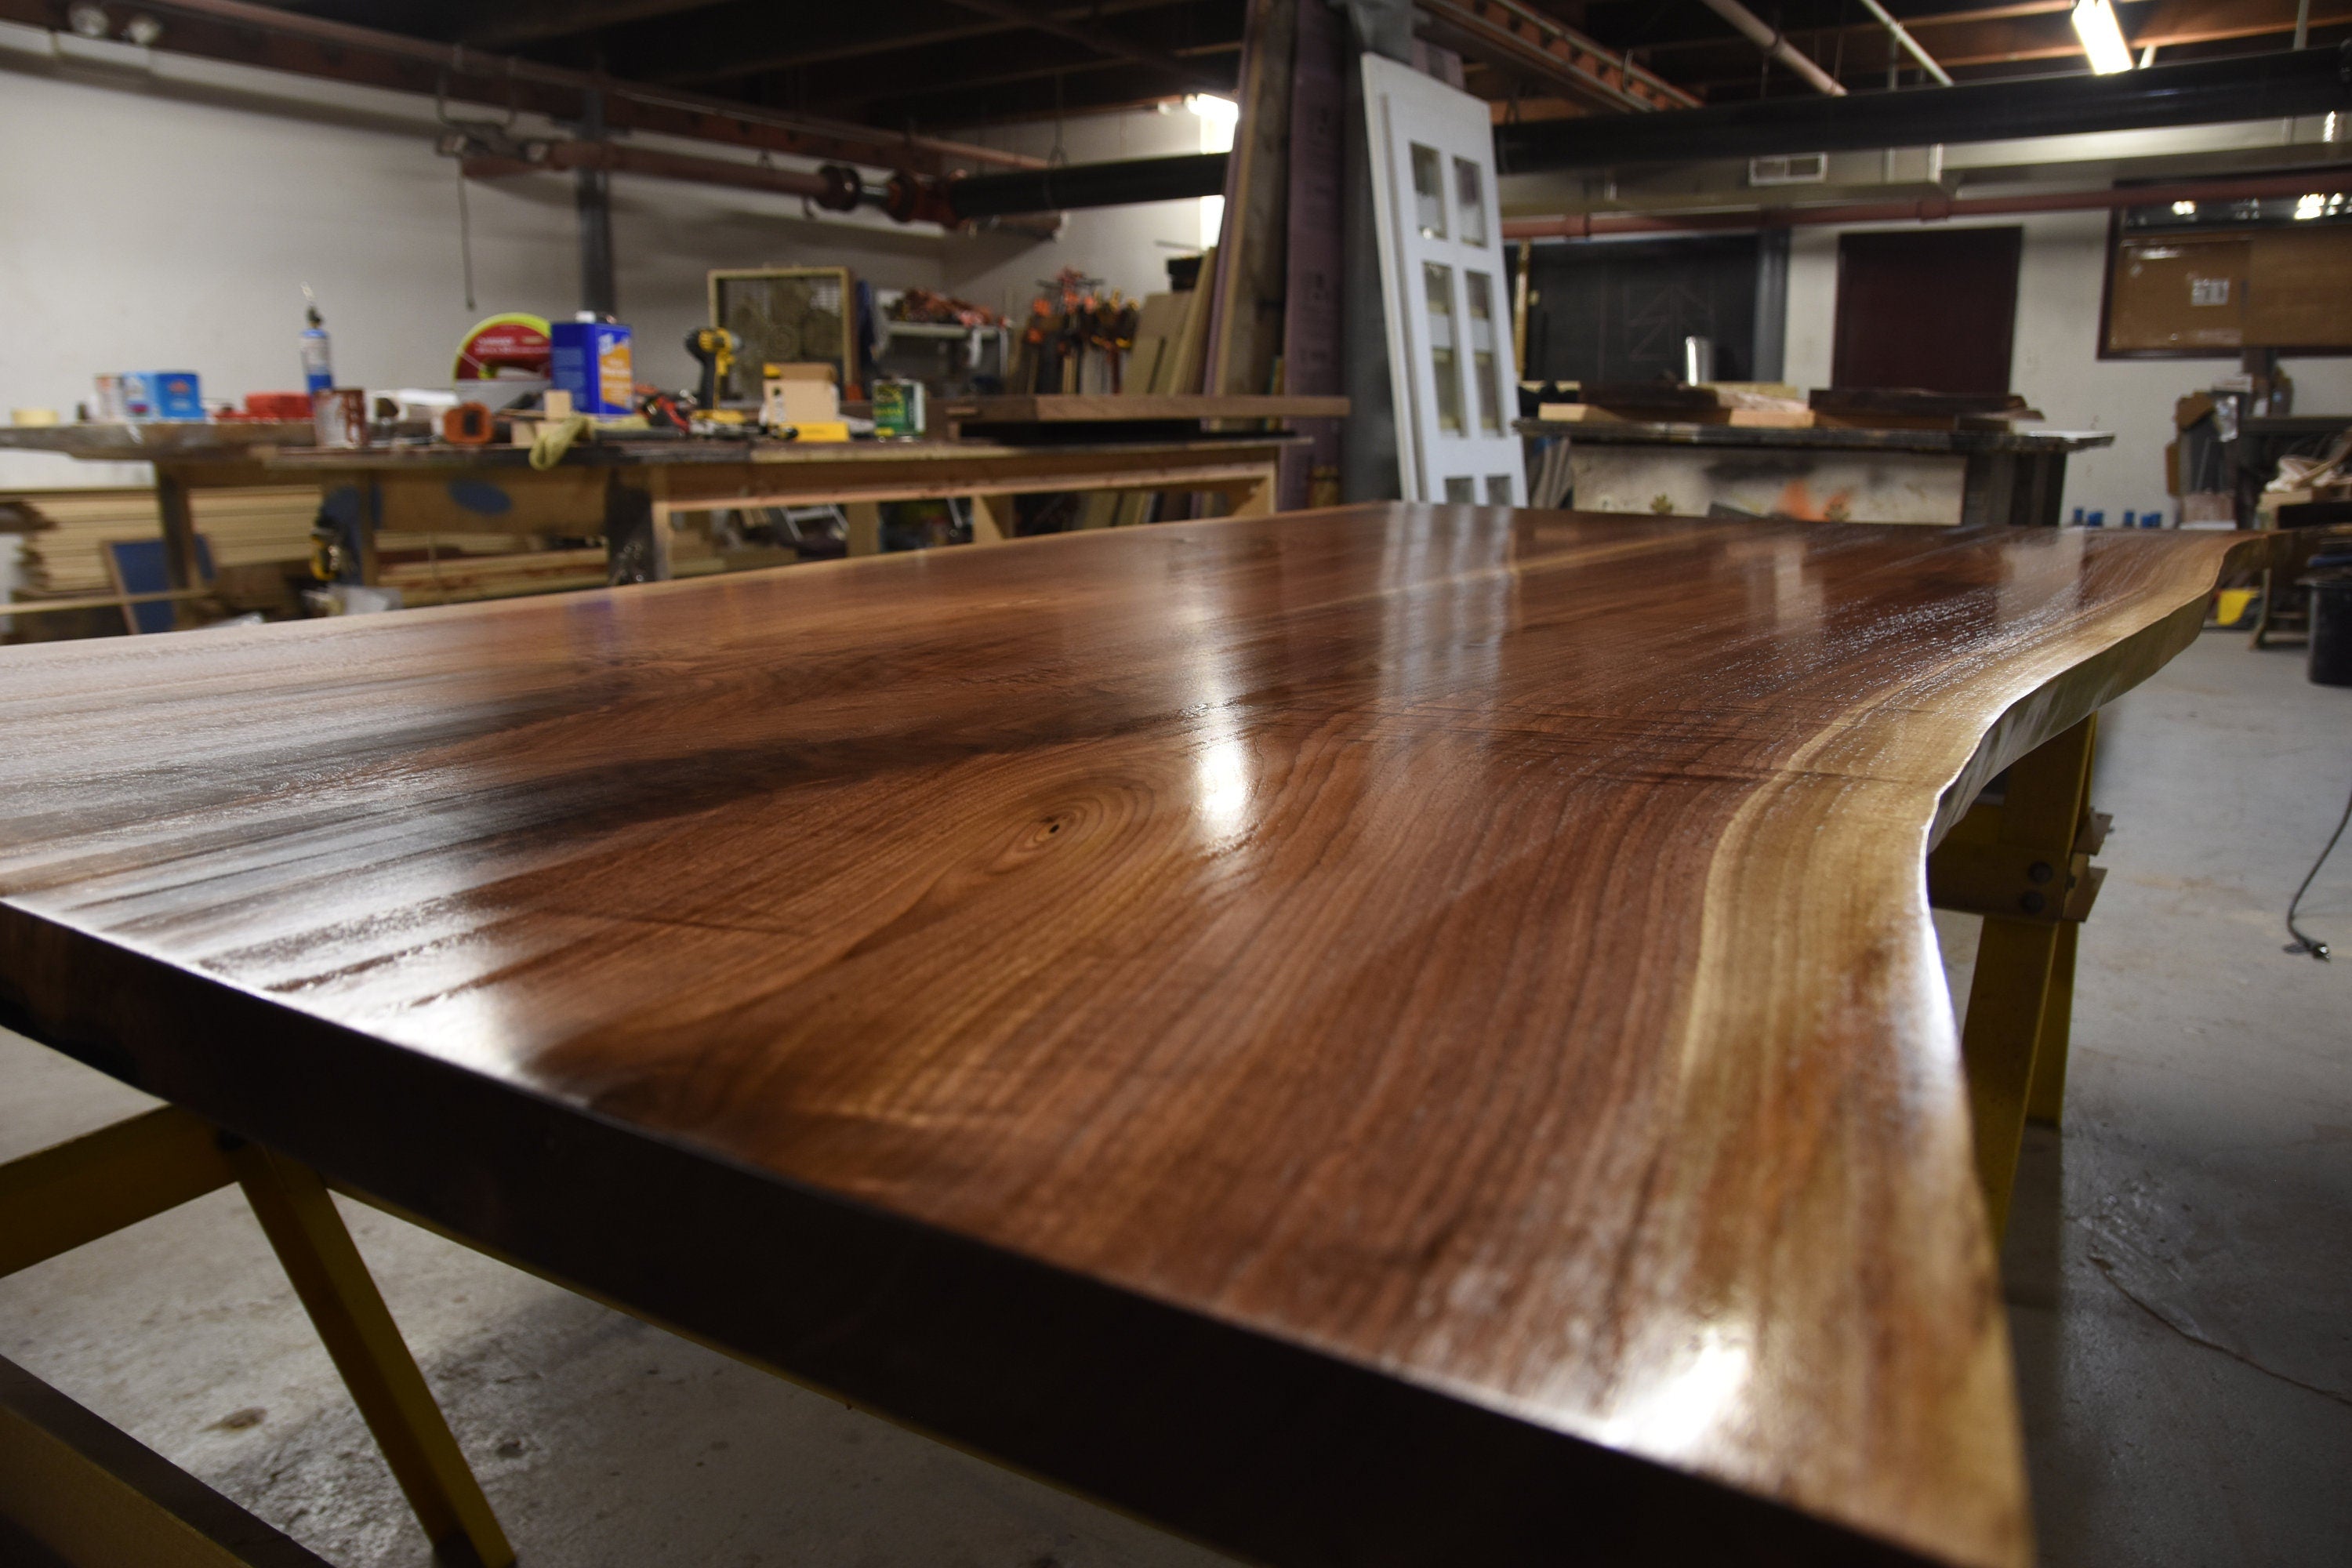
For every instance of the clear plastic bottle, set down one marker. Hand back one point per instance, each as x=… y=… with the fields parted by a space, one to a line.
x=318 y=362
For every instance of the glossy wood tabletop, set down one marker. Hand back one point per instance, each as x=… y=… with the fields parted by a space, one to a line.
x=1468 y=970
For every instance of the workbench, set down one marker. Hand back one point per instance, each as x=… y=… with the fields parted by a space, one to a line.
x=1368 y=1035
x=1823 y=474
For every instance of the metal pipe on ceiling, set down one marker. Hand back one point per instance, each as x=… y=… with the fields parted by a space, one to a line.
x=1902 y=36
x=459 y=60
x=1932 y=209
x=1766 y=36
x=2199 y=93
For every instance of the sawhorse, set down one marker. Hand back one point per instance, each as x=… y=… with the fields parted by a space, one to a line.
x=76 y=1191
x=2023 y=863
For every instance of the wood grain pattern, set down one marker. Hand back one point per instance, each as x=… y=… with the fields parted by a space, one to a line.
x=1403 y=1034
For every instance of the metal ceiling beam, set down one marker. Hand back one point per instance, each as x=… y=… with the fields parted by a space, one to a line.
x=2201 y=93
x=534 y=21
x=2038 y=29
x=1119 y=85
x=1102 y=40
x=745 y=37
x=272 y=39
x=845 y=88
x=1512 y=36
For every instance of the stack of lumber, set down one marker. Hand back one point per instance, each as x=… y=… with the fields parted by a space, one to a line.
x=450 y=579
x=1171 y=339
x=244 y=527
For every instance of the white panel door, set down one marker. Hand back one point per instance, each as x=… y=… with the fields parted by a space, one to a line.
x=1441 y=272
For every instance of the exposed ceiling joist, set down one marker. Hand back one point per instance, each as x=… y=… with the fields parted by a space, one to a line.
x=530 y=21
x=1103 y=40
x=1519 y=39
x=2037 y=29
x=748 y=38
x=246 y=33
x=845 y=87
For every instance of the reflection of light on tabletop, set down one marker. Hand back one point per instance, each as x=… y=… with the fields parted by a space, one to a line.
x=1687 y=1402
x=1220 y=781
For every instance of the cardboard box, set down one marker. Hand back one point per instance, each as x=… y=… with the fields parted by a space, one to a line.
x=800 y=394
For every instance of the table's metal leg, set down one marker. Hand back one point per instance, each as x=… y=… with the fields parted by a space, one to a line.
x=75 y=1192
x=2046 y=1097
x=73 y=1489
x=299 y=1216
x=2030 y=877
x=2008 y=1002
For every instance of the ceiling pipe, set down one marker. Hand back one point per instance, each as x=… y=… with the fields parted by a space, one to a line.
x=460 y=61
x=1767 y=38
x=1932 y=209
x=835 y=187
x=1902 y=36
x=2197 y=92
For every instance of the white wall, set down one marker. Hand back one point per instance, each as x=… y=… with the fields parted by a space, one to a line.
x=162 y=213
x=2054 y=358
x=1127 y=248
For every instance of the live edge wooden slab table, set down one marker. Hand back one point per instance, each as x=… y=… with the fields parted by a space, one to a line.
x=1394 y=1035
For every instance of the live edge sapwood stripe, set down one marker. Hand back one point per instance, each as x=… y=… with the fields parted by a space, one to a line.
x=1395 y=1034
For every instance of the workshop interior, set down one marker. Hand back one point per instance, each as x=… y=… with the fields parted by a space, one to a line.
x=1146 y=784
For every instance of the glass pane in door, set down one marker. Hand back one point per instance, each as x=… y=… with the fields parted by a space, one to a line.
x=1483 y=370
x=1428 y=192
x=1469 y=195
x=1499 y=489
x=1445 y=363
x=1461 y=489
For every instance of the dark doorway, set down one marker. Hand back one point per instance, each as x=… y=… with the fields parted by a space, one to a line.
x=1933 y=309
x=1617 y=310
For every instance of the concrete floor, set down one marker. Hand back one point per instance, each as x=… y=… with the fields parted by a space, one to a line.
x=2180 y=1271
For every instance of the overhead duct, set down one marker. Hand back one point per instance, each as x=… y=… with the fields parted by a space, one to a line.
x=2202 y=92
x=1073 y=185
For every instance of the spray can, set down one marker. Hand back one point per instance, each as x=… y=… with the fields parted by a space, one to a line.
x=318 y=363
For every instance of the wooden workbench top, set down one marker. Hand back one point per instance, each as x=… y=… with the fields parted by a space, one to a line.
x=621 y=452
x=190 y=440
x=1849 y=438
x=1401 y=1034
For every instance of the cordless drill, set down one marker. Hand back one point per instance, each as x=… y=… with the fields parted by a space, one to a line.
x=715 y=348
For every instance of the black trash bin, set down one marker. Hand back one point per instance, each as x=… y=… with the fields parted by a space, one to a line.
x=2331 y=630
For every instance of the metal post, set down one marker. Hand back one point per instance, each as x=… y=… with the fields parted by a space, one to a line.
x=594 y=199
x=1772 y=305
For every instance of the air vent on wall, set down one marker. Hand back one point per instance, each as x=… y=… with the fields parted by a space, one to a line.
x=1789 y=169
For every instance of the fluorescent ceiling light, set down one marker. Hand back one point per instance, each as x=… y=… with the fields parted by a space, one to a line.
x=2103 y=40
x=1208 y=106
